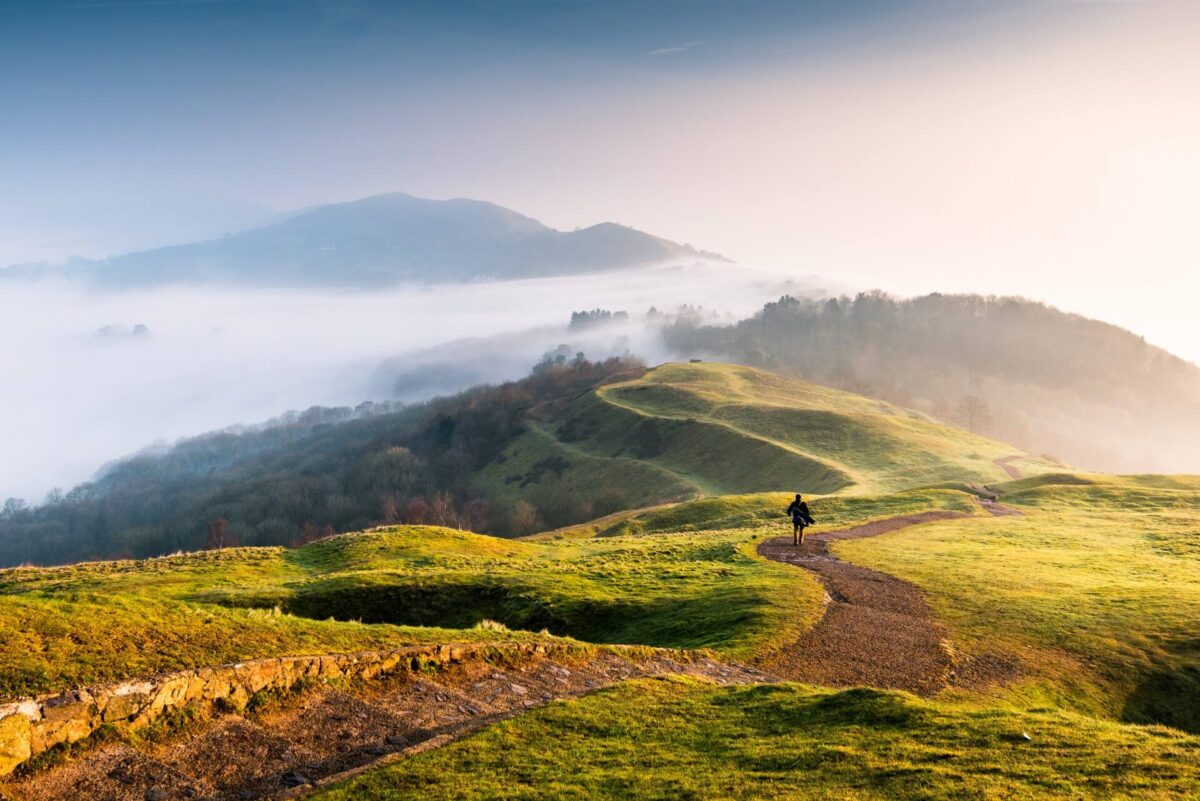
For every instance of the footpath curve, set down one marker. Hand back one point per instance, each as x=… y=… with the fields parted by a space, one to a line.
x=877 y=629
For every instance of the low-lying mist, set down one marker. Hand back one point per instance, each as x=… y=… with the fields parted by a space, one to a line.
x=93 y=376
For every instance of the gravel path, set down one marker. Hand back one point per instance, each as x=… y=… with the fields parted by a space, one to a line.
x=877 y=629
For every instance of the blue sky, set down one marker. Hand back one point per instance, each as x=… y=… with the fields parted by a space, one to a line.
x=128 y=122
x=1049 y=148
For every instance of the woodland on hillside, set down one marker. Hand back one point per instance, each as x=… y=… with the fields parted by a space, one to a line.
x=306 y=475
x=1058 y=384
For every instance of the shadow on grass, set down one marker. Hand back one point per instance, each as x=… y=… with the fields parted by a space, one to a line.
x=708 y=621
x=1170 y=697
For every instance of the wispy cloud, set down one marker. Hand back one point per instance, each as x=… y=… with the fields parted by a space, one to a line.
x=670 y=51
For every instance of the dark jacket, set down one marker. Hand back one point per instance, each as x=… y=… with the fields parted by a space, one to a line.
x=798 y=511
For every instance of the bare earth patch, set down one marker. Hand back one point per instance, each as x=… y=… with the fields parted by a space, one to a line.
x=1005 y=463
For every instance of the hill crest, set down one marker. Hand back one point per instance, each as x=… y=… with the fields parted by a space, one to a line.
x=389 y=239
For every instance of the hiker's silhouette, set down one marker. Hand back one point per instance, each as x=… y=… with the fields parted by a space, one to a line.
x=798 y=511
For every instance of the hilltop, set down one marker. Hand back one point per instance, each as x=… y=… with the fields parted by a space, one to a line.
x=390 y=239
x=689 y=430
x=1082 y=390
x=569 y=443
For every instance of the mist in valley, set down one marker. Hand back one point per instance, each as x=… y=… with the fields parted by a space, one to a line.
x=93 y=376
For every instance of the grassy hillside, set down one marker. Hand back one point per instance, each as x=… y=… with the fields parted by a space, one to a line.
x=1094 y=592
x=713 y=429
x=415 y=584
x=676 y=738
x=572 y=442
x=1086 y=391
x=1069 y=622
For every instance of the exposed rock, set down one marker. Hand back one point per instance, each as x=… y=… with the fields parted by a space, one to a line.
x=31 y=726
x=294 y=779
x=15 y=742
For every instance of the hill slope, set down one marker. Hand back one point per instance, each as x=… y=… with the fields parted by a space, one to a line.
x=555 y=449
x=1086 y=391
x=684 y=430
x=388 y=239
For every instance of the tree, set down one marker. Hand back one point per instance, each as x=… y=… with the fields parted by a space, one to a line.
x=391 y=512
x=13 y=508
x=974 y=412
x=525 y=518
x=308 y=533
x=441 y=511
x=218 y=535
x=417 y=511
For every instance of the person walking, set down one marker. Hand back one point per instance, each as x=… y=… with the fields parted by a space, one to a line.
x=801 y=518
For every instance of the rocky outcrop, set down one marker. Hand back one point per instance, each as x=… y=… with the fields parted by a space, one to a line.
x=32 y=726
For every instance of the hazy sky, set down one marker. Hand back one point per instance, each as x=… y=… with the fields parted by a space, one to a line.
x=1048 y=148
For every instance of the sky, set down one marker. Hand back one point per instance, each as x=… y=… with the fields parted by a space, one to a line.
x=1048 y=148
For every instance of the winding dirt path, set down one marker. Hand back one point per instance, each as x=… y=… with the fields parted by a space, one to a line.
x=1005 y=463
x=877 y=629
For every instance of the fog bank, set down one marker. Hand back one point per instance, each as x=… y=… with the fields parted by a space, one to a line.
x=95 y=376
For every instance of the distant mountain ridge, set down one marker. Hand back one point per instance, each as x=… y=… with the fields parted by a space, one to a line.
x=389 y=239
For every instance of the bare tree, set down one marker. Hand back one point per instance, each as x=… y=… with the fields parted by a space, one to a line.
x=442 y=512
x=218 y=535
x=417 y=511
x=974 y=412
x=525 y=518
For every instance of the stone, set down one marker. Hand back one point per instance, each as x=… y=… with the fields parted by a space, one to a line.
x=518 y=689
x=294 y=779
x=156 y=794
x=171 y=693
x=74 y=704
x=49 y=733
x=15 y=742
x=330 y=668
x=126 y=702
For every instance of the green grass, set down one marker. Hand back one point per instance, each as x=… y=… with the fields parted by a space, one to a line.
x=1096 y=589
x=879 y=446
x=109 y=621
x=538 y=468
x=685 y=576
x=696 y=430
x=680 y=739
x=765 y=511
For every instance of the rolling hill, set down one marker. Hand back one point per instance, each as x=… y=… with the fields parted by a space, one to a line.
x=1050 y=382
x=1063 y=615
x=390 y=239
x=568 y=444
x=689 y=430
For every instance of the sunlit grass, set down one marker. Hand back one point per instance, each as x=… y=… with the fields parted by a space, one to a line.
x=1096 y=589
x=676 y=738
